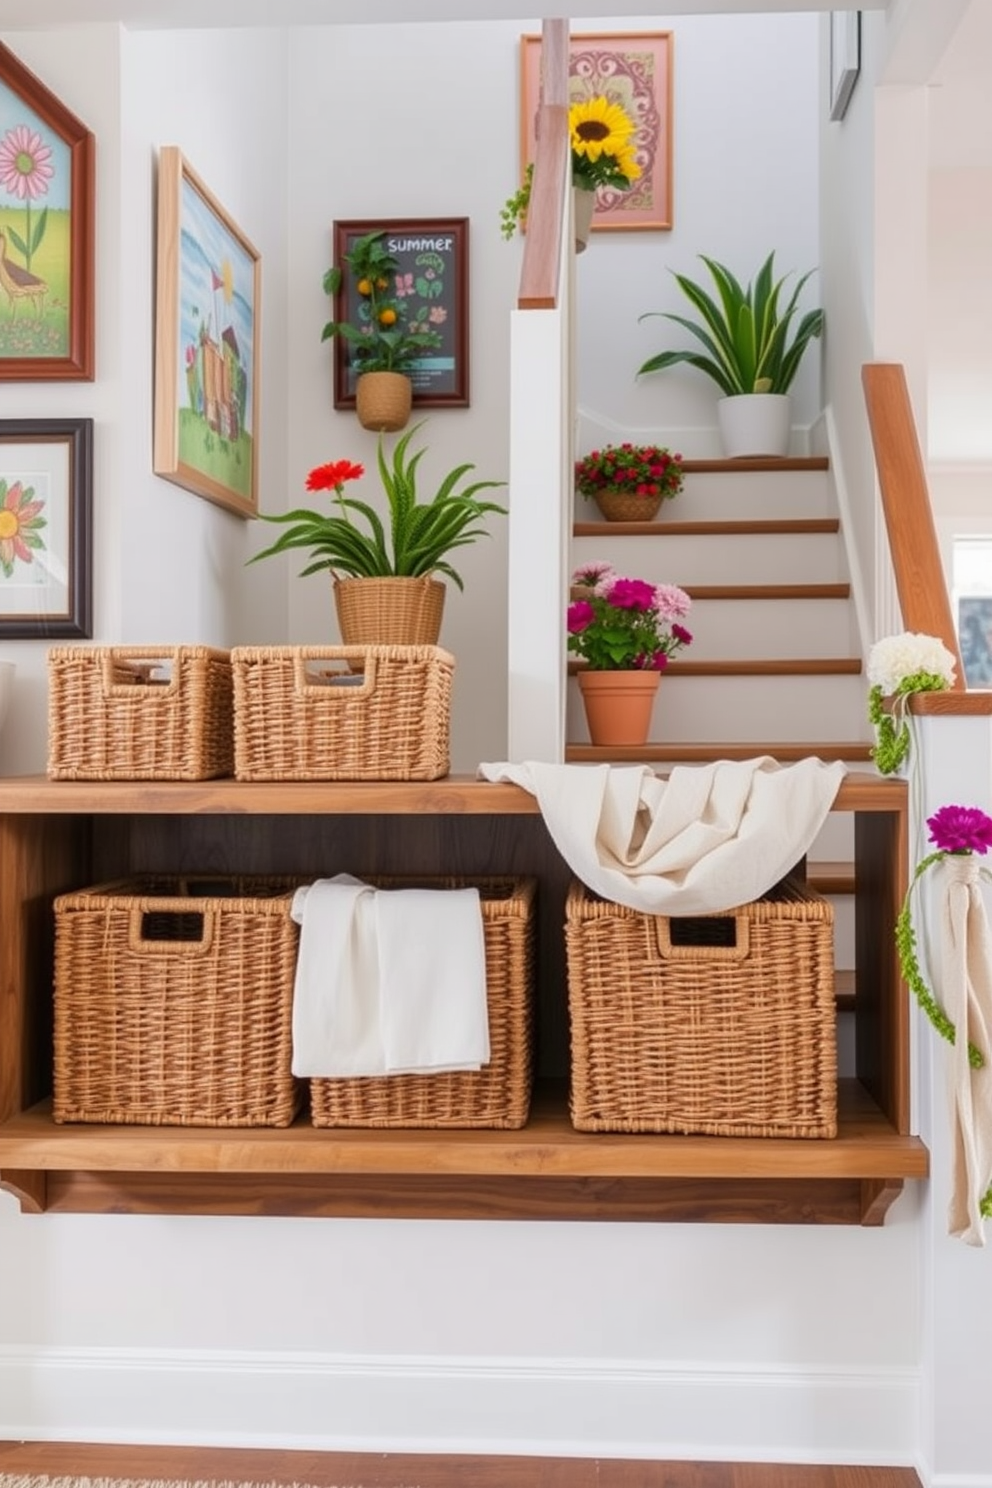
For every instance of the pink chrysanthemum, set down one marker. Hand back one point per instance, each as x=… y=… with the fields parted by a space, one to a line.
x=671 y=602
x=630 y=594
x=960 y=829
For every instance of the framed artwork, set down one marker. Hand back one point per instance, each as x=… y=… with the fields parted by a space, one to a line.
x=432 y=278
x=208 y=282
x=845 y=58
x=46 y=501
x=633 y=69
x=47 y=216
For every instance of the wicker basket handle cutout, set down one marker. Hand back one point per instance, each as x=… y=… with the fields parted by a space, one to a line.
x=312 y=675
x=130 y=673
x=164 y=927
x=704 y=938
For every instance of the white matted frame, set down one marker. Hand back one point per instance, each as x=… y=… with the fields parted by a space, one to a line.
x=845 y=58
x=206 y=343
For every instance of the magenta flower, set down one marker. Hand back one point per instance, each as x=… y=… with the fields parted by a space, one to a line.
x=960 y=829
x=631 y=594
x=580 y=615
x=683 y=636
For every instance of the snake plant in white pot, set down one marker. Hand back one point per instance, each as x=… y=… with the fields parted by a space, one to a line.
x=752 y=344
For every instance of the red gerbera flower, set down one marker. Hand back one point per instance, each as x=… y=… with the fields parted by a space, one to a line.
x=333 y=476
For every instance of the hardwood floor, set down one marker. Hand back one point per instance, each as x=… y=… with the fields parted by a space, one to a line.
x=362 y=1470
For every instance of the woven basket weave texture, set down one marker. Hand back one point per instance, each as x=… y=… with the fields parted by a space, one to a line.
x=139 y=713
x=342 y=712
x=734 y=1035
x=173 y=1003
x=496 y=1096
x=389 y=611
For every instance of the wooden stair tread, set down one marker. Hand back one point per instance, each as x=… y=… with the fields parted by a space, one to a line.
x=756 y=527
x=741 y=465
x=850 y=751
x=780 y=666
x=767 y=591
x=845 y=990
x=830 y=878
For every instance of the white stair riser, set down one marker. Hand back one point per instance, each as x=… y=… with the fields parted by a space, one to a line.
x=728 y=709
x=713 y=496
x=779 y=558
x=733 y=629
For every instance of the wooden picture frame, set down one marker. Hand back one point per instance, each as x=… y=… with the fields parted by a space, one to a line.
x=635 y=70
x=207 y=337
x=46 y=514
x=434 y=264
x=47 y=223
x=845 y=59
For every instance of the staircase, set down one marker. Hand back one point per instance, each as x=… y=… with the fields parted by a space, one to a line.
x=775 y=667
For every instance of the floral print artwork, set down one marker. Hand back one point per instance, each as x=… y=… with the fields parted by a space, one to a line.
x=21 y=524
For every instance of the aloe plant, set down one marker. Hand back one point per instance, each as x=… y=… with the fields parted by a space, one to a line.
x=419 y=534
x=750 y=343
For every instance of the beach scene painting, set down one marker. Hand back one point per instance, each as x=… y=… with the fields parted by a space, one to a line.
x=206 y=380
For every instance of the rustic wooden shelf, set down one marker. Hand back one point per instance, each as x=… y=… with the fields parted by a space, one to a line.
x=56 y=835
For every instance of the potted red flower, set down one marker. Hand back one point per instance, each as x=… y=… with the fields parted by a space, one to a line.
x=629 y=481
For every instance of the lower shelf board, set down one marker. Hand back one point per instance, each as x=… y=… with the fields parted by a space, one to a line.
x=547 y=1170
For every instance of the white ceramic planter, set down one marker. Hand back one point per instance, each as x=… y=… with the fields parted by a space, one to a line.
x=754 y=424
x=583 y=206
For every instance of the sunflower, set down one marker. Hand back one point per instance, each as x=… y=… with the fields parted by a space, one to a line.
x=20 y=524
x=598 y=127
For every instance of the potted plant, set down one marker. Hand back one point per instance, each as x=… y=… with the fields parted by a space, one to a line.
x=385 y=589
x=629 y=482
x=625 y=631
x=382 y=346
x=752 y=347
x=601 y=134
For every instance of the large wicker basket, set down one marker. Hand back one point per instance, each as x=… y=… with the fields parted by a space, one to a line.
x=721 y=1024
x=342 y=712
x=139 y=713
x=496 y=1096
x=174 y=1003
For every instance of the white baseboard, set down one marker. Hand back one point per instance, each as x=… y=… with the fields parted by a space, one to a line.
x=544 y=1407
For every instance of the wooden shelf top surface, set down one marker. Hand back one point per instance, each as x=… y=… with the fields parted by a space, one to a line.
x=866 y=1147
x=454 y=795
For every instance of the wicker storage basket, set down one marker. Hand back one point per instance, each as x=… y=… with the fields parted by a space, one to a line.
x=498 y=1095
x=721 y=1024
x=139 y=713
x=342 y=712
x=174 y=1003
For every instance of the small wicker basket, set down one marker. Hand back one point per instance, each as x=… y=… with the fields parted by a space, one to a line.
x=174 y=1003
x=139 y=713
x=342 y=712
x=496 y=1096
x=721 y=1024
x=389 y=611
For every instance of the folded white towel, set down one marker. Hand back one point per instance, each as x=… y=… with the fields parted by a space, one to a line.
x=388 y=981
x=701 y=842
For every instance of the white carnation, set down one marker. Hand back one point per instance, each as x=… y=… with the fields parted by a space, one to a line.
x=894 y=658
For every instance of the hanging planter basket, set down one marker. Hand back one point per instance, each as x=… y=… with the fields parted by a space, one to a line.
x=383 y=401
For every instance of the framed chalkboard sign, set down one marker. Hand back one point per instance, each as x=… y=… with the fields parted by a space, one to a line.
x=432 y=286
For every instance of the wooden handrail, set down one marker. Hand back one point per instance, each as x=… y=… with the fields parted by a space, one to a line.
x=539 y=287
x=919 y=574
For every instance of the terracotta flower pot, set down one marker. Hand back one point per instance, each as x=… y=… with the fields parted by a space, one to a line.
x=618 y=705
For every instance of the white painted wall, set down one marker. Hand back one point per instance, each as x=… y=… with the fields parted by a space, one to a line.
x=619 y=1339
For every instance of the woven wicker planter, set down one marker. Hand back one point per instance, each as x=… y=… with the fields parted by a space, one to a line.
x=623 y=506
x=389 y=612
x=383 y=401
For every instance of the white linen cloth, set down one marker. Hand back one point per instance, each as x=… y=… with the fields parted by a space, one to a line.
x=965 y=981
x=702 y=841
x=388 y=981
